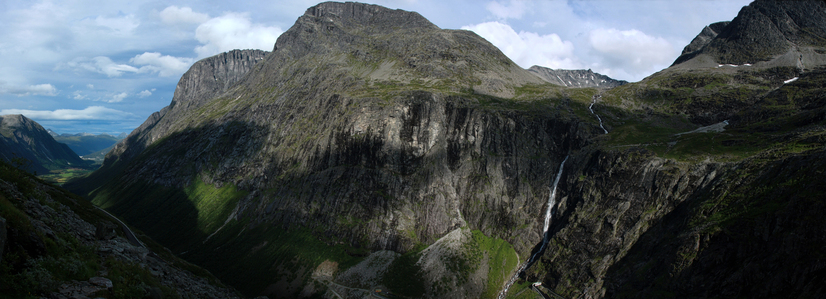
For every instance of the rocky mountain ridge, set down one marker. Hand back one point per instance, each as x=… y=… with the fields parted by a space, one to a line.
x=575 y=78
x=766 y=32
x=84 y=144
x=23 y=138
x=205 y=79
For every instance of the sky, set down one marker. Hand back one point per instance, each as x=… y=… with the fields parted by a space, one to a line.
x=104 y=66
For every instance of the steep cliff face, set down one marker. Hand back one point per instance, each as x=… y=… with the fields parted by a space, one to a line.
x=701 y=40
x=24 y=138
x=203 y=81
x=575 y=78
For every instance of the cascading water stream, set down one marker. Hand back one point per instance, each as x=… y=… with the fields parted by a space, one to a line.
x=545 y=238
x=597 y=115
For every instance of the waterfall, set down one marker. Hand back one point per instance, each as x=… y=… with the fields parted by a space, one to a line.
x=597 y=115
x=545 y=237
x=549 y=212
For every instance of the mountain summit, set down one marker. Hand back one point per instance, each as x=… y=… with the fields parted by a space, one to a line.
x=575 y=78
x=770 y=32
x=367 y=129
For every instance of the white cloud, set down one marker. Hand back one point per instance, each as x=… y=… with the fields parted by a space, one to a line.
x=528 y=48
x=90 y=113
x=144 y=93
x=234 y=31
x=182 y=15
x=164 y=65
x=25 y=90
x=514 y=10
x=78 y=95
x=101 y=64
x=122 y=25
x=633 y=51
x=118 y=97
x=90 y=86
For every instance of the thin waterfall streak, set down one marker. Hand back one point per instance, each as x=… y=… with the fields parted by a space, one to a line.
x=548 y=217
x=590 y=108
x=552 y=198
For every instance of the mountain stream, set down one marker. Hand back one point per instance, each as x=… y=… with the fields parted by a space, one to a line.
x=597 y=115
x=545 y=235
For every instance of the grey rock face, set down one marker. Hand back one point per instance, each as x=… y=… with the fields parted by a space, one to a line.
x=701 y=40
x=205 y=80
x=105 y=230
x=763 y=30
x=575 y=78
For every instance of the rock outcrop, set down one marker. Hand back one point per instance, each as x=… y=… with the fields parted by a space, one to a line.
x=203 y=81
x=25 y=141
x=575 y=78
x=701 y=40
x=791 y=32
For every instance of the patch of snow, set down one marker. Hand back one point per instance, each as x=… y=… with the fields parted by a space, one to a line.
x=718 y=127
x=790 y=80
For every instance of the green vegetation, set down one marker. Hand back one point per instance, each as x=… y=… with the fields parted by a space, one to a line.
x=213 y=204
x=131 y=280
x=502 y=261
x=60 y=176
x=650 y=113
x=198 y=214
x=404 y=277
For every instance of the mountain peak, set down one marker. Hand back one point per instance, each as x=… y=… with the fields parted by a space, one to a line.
x=575 y=78
x=787 y=33
x=382 y=18
x=21 y=137
x=709 y=32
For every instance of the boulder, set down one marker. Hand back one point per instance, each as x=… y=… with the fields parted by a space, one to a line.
x=101 y=282
x=105 y=230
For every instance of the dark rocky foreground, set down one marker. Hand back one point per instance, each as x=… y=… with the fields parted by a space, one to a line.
x=56 y=245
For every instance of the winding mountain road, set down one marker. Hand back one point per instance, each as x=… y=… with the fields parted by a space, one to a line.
x=128 y=232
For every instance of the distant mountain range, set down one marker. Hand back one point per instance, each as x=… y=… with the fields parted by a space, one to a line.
x=85 y=144
x=575 y=78
x=26 y=139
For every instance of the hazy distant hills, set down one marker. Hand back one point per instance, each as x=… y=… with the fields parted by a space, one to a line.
x=25 y=138
x=84 y=144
